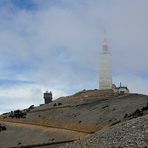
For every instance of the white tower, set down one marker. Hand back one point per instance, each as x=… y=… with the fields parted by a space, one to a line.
x=105 y=80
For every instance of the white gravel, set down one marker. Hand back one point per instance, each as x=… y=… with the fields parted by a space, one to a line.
x=129 y=134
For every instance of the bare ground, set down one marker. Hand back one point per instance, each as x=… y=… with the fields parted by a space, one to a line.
x=75 y=114
x=24 y=134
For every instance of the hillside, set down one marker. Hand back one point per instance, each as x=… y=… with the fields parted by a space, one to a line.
x=97 y=110
x=129 y=134
x=19 y=135
x=86 y=115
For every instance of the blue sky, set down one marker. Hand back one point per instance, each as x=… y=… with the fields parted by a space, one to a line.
x=55 y=44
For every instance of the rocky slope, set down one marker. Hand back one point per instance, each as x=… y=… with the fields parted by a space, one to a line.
x=93 y=110
x=98 y=119
x=129 y=134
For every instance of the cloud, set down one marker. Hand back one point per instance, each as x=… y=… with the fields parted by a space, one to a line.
x=20 y=96
x=56 y=45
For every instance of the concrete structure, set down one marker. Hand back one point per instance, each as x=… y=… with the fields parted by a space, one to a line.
x=121 y=90
x=105 y=79
x=115 y=89
x=47 y=97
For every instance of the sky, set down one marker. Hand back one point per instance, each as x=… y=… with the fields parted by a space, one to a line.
x=55 y=44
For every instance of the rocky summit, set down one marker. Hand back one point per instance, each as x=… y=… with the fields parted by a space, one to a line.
x=89 y=118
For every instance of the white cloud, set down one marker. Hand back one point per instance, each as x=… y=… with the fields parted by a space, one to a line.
x=24 y=95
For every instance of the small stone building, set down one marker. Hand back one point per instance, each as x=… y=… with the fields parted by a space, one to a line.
x=47 y=97
x=121 y=90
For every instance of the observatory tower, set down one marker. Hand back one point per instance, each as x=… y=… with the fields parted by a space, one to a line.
x=48 y=97
x=105 y=79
